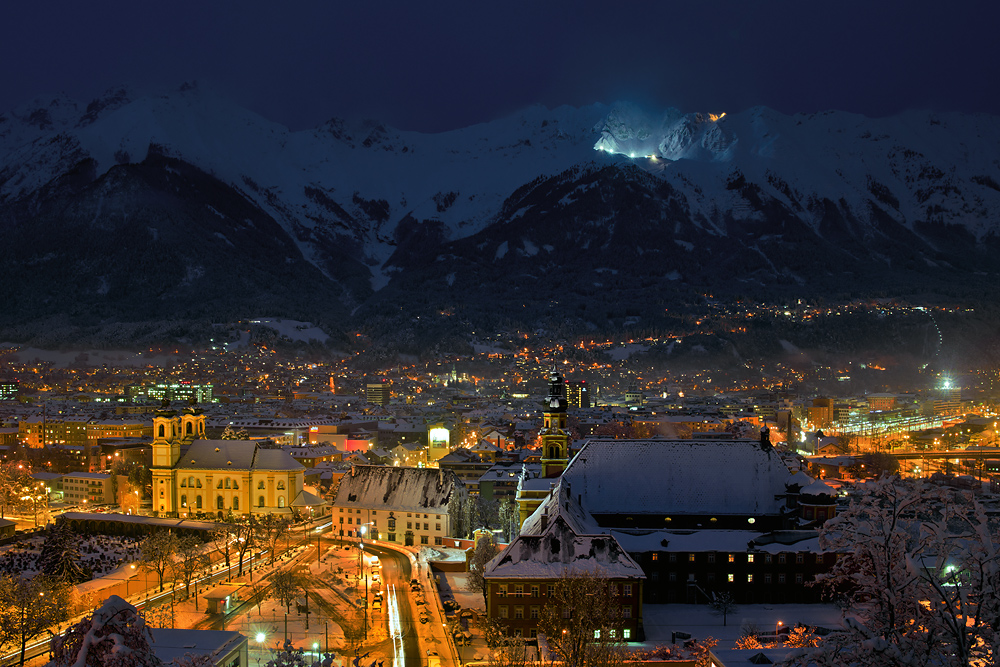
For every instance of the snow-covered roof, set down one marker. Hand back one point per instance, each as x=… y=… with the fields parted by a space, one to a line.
x=800 y=479
x=715 y=477
x=235 y=455
x=401 y=489
x=560 y=552
x=818 y=488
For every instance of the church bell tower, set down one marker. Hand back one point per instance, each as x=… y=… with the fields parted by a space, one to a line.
x=555 y=439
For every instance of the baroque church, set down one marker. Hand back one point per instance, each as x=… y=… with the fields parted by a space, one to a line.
x=535 y=483
x=193 y=476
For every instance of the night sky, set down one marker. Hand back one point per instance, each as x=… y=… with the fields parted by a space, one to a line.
x=439 y=65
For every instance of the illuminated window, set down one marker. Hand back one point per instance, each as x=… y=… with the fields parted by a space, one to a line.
x=732 y=558
x=502 y=592
x=627 y=633
x=749 y=578
x=655 y=557
x=690 y=558
x=731 y=578
x=749 y=558
x=597 y=634
x=628 y=590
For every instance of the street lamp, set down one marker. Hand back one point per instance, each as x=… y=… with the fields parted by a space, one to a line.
x=778 y=625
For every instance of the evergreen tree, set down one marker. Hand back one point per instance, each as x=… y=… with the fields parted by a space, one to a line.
x=60 y=558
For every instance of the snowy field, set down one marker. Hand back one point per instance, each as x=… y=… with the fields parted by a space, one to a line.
x=660 y=620
x=99 y=553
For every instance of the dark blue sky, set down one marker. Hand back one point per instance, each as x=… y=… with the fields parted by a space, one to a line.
x=438 y=65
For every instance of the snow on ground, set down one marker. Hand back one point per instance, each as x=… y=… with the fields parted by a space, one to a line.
x=99 y=553
x=293 y=329
x=660 y=620
x=626 y=351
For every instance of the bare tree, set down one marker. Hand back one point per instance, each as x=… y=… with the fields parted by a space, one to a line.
x=30 y=607
x=506 y=650
x=485 y=550
x=157 y=553
x=190 y=560
x=271 y=529
x=723 y=604
x=222 y=537
x=286 y=587
x=582 y=621
x=246 y=534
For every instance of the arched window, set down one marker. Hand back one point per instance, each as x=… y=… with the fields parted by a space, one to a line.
x=281 y=485
x=260 y=484
x=184 y=501
x=236 y=484
x=201 y=427
x=184 y=483
x=173 y=430
x=191 y=482
x=161 y=431
x=219 y=485
x=228 y=484
x=281 y=501
x=236 y=503
x=260 y=501
x=197 y=502
x=189 y=431
x=197 y=483
x=220 y=503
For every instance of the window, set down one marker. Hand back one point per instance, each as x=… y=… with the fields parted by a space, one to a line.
x=597 y=634
x=627 y=611
x=711 y=558
x=423 y=539
x=749 y=558
x=260 y=501
x=409 y=525
x=281 y=501
x=503 y=611
x=236 y=503
x=341 y=519
x=219 y=485
x=690 y=558
x=502 y=592
x=732 y=558
x=711 y=577
x=392 y=537
x=437 y=527
x=550 y=590
x=614 y=589
x=518 y=590
x=730 y=578
x=438 y=541
x=374 y=512
x=800 y=558
x=672 y=558
x=628 y=590
x=672 y=576
x=260 y=485
x=798 y=577
x=426 y=527
x=767 y=578
x=567 y=612
x=749 y=578
x=235 y=484
x=425 y=516
x=655 y=557
x=392 y=523
x=533 y=611
x=819 y=559
x=184 y=483
x=184 y=501
x=197 y=483
x=519 y=611
x=627 y=633
x=220 y=504
x=197 y=502
x=534 y=591
x=281 y=485
x=767 y=558
x=781 y=558
x=781 y=578
x=229 y=483
x=350 y=520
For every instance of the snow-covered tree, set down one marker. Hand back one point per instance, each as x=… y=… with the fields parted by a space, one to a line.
x=29 y=607
x=723 y=604
x=114 y=636
x=484 y=552
x=920 y=569
x=190 y=558
x=60 y=556
x=582 y=621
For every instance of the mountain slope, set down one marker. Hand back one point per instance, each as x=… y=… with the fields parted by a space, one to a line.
x=183 y=205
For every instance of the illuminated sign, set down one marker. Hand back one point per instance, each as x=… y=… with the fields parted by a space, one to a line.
x=439 y=437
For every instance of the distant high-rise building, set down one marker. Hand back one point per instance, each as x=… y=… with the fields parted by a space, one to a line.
x=378 y=393
x=181 y=391
x=577 y=394
x=8 y=390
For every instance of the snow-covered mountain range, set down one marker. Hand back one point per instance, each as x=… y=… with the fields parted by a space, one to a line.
x=143 y=207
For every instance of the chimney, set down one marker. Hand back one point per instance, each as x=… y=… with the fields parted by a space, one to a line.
x=545 y=519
